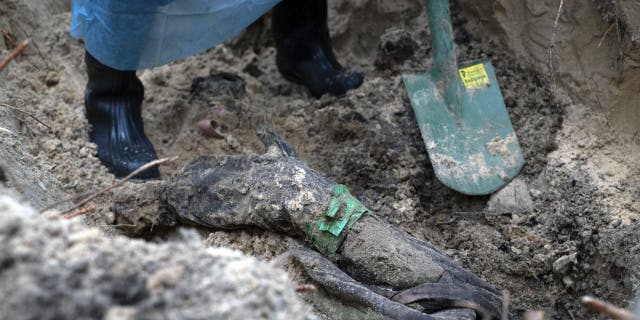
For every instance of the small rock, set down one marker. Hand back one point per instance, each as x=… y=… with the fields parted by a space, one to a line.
x=232 y=142
x=211 y=128
x=108 y=217
x=562 y=264
x=534 y=315
x=535 y=193
x=396 y=46
x=52 y=146
x=84 y=152
x=513 y=198
x=84 y=236
x=567 y=281
x=165 y=278
x=121 y=313
x=616 y=223
x=52 y=79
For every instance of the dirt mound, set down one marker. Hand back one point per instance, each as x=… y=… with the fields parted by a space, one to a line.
x=62 y=269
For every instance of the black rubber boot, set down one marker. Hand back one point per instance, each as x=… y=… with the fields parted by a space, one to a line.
x=113 y=101
x=305 y=55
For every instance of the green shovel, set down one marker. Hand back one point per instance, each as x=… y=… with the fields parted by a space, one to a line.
x=463 y=120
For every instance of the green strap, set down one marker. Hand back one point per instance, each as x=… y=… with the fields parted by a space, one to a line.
x=328 y=232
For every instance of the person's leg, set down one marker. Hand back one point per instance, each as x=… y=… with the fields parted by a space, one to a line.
x=305 y=54
x=113 y=101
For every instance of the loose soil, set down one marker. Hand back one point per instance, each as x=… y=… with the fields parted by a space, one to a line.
x=578 y=237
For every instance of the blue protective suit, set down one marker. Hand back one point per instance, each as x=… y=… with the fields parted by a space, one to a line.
x=137 y=34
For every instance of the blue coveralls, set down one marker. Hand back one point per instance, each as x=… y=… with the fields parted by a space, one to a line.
x=138 y=34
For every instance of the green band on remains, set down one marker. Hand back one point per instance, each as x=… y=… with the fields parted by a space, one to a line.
x=343 y=212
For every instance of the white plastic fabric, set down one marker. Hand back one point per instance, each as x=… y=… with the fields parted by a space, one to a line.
x=138 y=34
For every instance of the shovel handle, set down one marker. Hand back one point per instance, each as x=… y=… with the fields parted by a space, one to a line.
x=444 y=53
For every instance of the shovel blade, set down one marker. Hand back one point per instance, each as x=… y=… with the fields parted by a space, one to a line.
x=472 y=146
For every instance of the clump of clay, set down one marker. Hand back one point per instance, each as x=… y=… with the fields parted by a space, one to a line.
x=396 y=46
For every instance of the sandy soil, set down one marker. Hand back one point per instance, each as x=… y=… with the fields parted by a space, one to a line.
x=569 y=226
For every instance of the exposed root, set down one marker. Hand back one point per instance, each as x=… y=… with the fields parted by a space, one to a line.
x=306 y=288
x=29 y=114
x=481 y=311
x=14 y=53
x=552 y=57
x=603 y=307
x=11 y=39
x=604 y=36
x=80 y=212
x=534 y=315
x=7 y=131
x=506 y=300
x=86 y=197
x=612 y=14
x=35 y=45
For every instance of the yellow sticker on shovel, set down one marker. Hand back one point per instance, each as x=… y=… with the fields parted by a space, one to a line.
x=474 y=76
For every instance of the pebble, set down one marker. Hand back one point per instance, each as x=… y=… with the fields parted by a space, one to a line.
x=567 y=281
x=535 y=193
x=232 y=142
x=562 y=264
x=513 y=198
x=52 y=79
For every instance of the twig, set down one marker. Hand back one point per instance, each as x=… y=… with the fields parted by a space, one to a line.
x=484 y=314
x=80 y=212
x=603 y=307
x=551 y=60
x=555 y=23
x=29 y=114
x=305 y=288
x=506 y=299
x=5 y=130
x=569 y=312
x=12 y=42
x=94 y=195
x=73 y=198
x=14 y=53
x=605 y=34
x=7 y=35
x=117 y=225
x=35 y=44
x=534 y=315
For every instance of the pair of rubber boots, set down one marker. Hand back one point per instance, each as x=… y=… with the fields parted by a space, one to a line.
x=113 y=98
